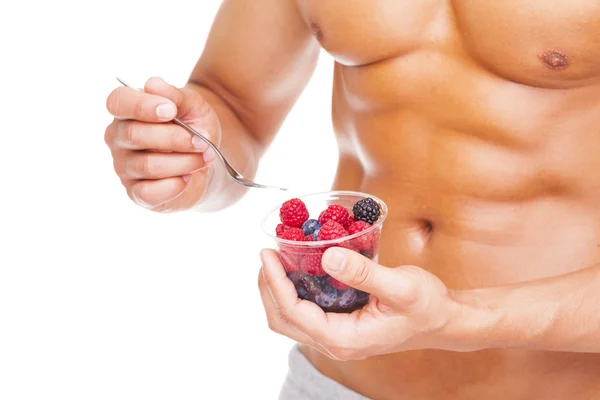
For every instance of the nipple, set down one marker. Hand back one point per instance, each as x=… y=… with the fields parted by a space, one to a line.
x=554 y=59
x=316 y=31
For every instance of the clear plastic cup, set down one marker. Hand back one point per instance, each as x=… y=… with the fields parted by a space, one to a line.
x=296 y=256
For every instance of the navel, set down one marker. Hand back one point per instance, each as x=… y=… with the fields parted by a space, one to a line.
x=554 y=59
x=316 y=30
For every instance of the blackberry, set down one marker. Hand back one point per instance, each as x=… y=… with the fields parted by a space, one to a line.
x=310 y=226
x=366 y=210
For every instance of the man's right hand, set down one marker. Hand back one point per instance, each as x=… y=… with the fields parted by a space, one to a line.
x=162 y=166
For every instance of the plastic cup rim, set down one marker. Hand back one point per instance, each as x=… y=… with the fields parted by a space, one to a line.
x=321 y=243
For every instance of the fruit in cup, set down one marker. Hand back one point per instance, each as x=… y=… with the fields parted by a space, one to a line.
x=327 y=297
x=293 y=213
x=310 y=226
x=334 y=212
x=336 y=284
x=364 y=242
x=348 y=298
x=293 y=234
x=311 y=265
x=366 y=210
x=303 y=263
x=331 y=230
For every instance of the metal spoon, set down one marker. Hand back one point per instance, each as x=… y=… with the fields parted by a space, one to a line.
x=233 y=174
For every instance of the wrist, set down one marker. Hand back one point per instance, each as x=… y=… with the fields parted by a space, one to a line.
x=501 y=317
x=472 y=325
x=477 y=321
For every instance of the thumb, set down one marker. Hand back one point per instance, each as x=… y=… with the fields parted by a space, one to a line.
x=396 y=287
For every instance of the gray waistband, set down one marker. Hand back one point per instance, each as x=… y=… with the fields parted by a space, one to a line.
x=305 y=382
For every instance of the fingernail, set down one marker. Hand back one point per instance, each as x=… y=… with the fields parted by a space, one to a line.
x=199 y=144
x=335 y=260
x=209 y=155
x=262 y=256
x=165 y=111
x=139 y=201
x=186 y=178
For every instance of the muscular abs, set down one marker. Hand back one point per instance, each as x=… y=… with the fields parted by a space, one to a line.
x=479 y=124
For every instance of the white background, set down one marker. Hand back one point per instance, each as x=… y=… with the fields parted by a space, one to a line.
x=100 y=299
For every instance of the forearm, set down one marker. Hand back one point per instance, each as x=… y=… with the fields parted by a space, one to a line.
x=240 y=148
x=555 y=314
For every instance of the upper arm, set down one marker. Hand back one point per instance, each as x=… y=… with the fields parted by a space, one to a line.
x=258 y=58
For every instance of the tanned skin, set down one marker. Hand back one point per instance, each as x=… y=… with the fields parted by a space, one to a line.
x=479 y=125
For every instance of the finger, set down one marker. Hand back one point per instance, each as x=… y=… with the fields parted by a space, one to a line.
x=192 y=107
x=136 y=135
x=153 y=165
x=393 y=286
x=282 y=326
x=159 y=86
x=276 y=321
x=152 y=194
x=305 y=315
x=187 y=100
x=128 y=103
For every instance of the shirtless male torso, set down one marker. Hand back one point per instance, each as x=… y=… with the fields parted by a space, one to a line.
x=479 y=125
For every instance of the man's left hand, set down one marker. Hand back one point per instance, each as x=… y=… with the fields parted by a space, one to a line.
x=409 y=308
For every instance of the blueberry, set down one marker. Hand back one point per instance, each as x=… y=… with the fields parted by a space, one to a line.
x=292 y=276
x=320 y=281
x=367 y=253
x=327 y=297
x=348 y=298
x=305 y=287
x=307 y=284
x=310 y=226
x=362 y=296
x=316 y=234
x=302 y=293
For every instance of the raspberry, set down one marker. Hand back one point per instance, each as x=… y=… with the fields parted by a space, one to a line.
x=315 y=250
x=358 y=226
x=293 y=213
x=349 y=222
x=347 y=244
x=311 y=264
x=309 y=238
x=363 y=242
x=293 y=234
x=374 y=248
x=280 y=229
x=375 y=242
x=334 y=212
x=366 y=210
x=289 y=263
x=331 y=230
x=334 y=283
